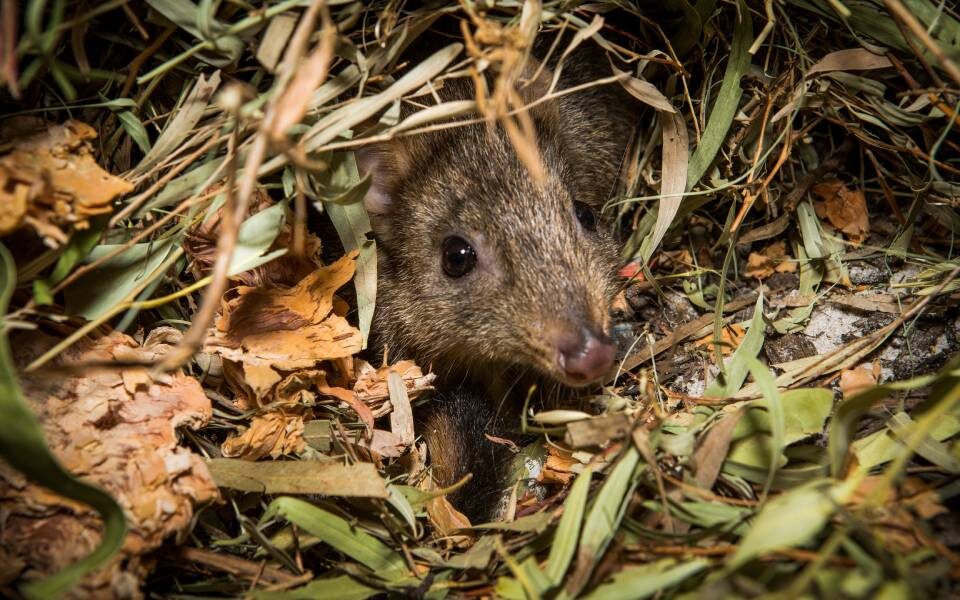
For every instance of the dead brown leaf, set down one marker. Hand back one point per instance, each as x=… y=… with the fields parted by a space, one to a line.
x=276 y=433
x=371 y=385
x=446 y=520
x=713 y=449
x=896 y=522
x=597 y=431
x=853 y=381
x=50 y=181
x=559 y=466
x=201 y=246
x=771 y=259
x=844 y=209
x=730 y=337
x=325 y=477
x=116 y=428
x=285 y=329
x=384 y=444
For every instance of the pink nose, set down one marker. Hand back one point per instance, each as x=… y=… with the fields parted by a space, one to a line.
x=585 y=356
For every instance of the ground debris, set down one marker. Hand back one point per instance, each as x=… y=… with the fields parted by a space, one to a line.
x=49 y=180
x=115 y=427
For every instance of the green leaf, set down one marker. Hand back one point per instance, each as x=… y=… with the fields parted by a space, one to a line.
x=737 y=367
x=255 y=237
x=791 y=519
x=81 y=243
x=202 y=25
x=399 y=502
x=774 y=406
x=88 y=297
x=537 y=522
x=603 y=519
x=728 y=100
x=646 y=580
x=568 y=531
x=185 y=118
x=805 y=412
x=929 y=448
x=883 y=446
x=331 y=588
x=340 y=534
x=22 y=446
x=352 y=224
x=810 y=232
x=676 y=156
x=477 y=557
x=191 y=182
x=135 y=129
x=849 y=412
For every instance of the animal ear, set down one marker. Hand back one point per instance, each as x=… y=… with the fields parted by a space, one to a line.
x=535 y=80
x=385 y=163
x=533 y=85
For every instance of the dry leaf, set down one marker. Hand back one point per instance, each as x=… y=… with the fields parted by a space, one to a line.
x=371 y=384
x=50 y=181
x=771 y=259
x=597 y=431
x=286 y=329
x=856 y=380
x=401 y=417
x=446 y=520
x=845 y=209
x=853 y=59
x=713 y=449
x=276 y=433
x=559 y=466
x=114 y=427
x=201 y=246
x=325 y=477
x=384 y=444
x=730 y=337
x=896 y=524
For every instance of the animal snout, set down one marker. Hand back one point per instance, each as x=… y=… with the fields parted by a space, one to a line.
x=584 y=355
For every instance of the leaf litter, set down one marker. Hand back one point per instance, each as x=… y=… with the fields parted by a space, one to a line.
x=793 y=186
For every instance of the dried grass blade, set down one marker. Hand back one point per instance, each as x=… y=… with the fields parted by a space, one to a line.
x=676 y=157
x=185 y=118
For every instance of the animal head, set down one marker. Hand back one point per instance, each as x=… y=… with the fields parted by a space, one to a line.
x=481 y=265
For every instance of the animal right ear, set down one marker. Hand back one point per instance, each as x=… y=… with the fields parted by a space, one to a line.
x=385 y=163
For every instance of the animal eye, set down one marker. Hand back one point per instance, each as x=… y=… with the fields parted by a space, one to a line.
x=458 y=256
x=585 y=215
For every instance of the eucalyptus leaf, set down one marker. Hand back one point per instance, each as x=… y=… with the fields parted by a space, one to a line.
x=343 y=587
x=89 y=298
x=791 y=519
x=340 y=534
x=738 y=366
x=643 y=581
x=568 y=531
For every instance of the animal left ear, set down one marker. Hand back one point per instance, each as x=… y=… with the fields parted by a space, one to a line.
x=534 y=83
x=386 y=164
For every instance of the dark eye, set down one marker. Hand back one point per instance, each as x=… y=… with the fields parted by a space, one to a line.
x=585 y=215
x=459 y=257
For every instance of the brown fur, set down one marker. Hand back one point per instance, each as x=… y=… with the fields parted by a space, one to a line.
x=539 y=270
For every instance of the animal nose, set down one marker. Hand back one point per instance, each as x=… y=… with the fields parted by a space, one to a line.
x=585 y=356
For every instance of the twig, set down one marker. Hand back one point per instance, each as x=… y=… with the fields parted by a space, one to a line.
x=234 y=565
x=234 y=210
x=139 y=200
x=898 y=10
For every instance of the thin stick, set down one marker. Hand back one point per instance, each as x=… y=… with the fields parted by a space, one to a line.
x=898 y=10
